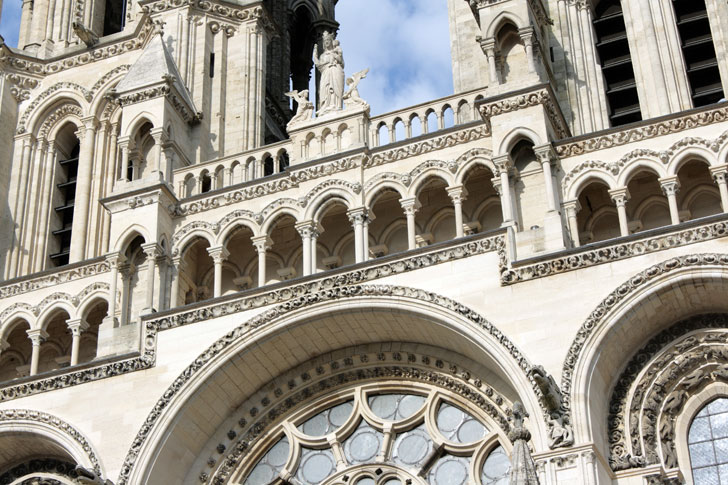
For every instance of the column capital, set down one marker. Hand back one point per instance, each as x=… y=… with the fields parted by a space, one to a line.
x=37 y=335
x=457 y=193
x=114 y=259
x=719 y=173
x=670 y=185
x=309 y=229
x=77 y=326
x=545 y=153
x=90 y=122
x=410 y=205
x=262 y=243
x=218 y=253
x=360 y=215
x=619 y=196
x=503 y=163
x=571 y=207
x=152 y=250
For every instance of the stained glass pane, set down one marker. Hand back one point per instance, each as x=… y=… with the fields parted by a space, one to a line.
x=270 y=465
x=708 y=444
x=700 y=430
x=363 y=445
x=719 y=424
x=412 y=447
x=497 y=468
x=327 y=421
x=450 y=470
x=458 y=426
x=395 y=407
x=316 y=466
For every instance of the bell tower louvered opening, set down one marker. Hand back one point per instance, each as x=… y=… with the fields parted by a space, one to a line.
x=698 y=50
x=67 y=171
x=613 y=48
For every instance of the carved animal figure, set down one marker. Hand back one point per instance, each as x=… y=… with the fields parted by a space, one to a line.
x=548 y=387
x=89 y=477
x=86 y=36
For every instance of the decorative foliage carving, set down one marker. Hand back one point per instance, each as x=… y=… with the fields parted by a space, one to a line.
x=19 y=415
x=22 y=85
x=58 y=114
x=93 y=268
x=45 y=94
x=43 y=467
x=615 y=252
x=651 y=130
x=542 y=97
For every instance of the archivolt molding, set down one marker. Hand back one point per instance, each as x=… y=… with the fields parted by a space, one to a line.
x=404 y=367
x=615 y=252
x=40 y=100
x=59 y=114
x=18 y=288
x=665 y=157
x=309 y=296
x=17 y=417
x=36 y=472
x=655 y=386
x=625 y=291
x=652 y=130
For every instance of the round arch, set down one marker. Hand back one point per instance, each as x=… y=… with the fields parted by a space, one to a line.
x=642 y=165
x=573 y=191
x=516 y=135
x=689 y=154
x=129 y=234
x=411 y=316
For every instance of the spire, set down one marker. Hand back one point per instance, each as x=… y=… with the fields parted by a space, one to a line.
x=523 y=469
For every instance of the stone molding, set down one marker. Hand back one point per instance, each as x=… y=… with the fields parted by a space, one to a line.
x=37 y=471
x=214 y=8
x=586 y=257
x=38 y=100
x=655 y=385
x=344 y=372
x=623 y=292
x=15 y=416
x=57 y=115
x=36 y=310
x=651 y=130
x=87 y=270
x=307 y=296
x=22 y=85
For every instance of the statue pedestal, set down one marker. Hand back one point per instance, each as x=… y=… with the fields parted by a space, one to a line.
x=333 y=133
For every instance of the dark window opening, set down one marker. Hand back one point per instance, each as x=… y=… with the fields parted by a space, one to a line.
x=284 y=161
x=698 y=51
x=67 y=187
x=268 y=166
x=212 y=64
x=206 y=184
x=114 y=16
x=613 y=48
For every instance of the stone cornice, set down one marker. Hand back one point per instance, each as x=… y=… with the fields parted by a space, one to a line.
x=644 y=130
x=668 y=237
x=85 y=269
x=216 y=8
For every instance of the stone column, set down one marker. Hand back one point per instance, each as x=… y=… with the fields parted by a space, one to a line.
x=315 y=234
x=357 y=217
x=503 y=166
x=488 y=47
x=37 y=336
x=620 y=196
x=305 y=229
x=174 y=291
x=113 y=259
x=219 y=254
x=124 y=166
x=365 y=237
x=526 y=35
x=572 y=208
x=262 y=244
x=458 y=194
x=151 y=250
x=719 y=176
x=79 y=229
x=124 y=271
x=545 y=154
x=76 y=326
x=410 y=207
x=670 y=187
x=159 y=140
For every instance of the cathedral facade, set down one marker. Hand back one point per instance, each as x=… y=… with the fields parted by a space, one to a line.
x=211 y=275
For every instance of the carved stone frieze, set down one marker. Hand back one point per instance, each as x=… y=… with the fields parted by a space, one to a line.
x=538 y=97
x=217 y=9
x=625 y=290
x=616 y=252
x=57 y=115
x=20 y=415
x=106 y=77
x=651 y=130
x=93 y=268
x=36 y=310
x=21 y=86
x=39 y=471
x=658 y=380
x=44 y=95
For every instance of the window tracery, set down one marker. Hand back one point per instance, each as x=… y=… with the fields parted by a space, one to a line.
x=708 y=443
x=383 y=436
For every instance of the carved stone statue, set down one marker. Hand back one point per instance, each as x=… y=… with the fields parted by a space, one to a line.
x=89 y=477
x=560 y=432
x=351 y=97
x=331 y=66
x=523 y=468
x=305 y=107
x=86 y=36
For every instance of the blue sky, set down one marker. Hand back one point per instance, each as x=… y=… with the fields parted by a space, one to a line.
x=405 y=43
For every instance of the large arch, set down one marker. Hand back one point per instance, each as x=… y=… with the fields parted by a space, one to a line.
x=632 y=314
x=351 y=317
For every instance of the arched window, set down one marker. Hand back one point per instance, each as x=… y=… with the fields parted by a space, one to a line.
x=698 y=50
x=708 y=443
x=64 y=196
x=613 y=48
x=114 y=16
x=269 y=166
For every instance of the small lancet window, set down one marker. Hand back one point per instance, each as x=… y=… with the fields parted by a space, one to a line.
x=698 y=51
x=613 y=48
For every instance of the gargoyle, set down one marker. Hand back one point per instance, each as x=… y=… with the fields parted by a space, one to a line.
x=88 y=37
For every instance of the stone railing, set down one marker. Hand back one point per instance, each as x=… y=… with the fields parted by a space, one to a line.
x=232 y=170
x=424 y=118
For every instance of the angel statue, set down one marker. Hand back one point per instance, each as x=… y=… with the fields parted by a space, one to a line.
x=351 y=97
x=305 y=107
x=331 y=66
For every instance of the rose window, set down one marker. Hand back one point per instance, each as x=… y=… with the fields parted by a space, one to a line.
x=370 y=436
